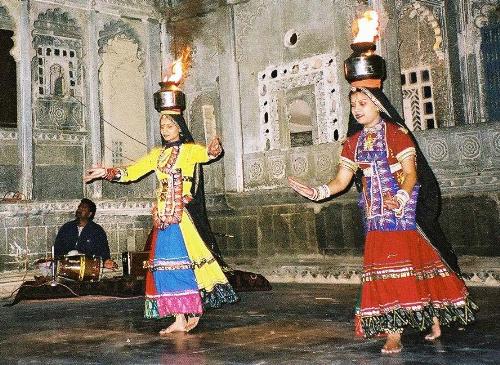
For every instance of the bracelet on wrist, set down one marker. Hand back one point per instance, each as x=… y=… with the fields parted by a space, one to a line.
x=402 y=197
x=321 y=192
x=112 y=174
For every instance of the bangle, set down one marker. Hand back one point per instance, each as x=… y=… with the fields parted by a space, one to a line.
x=112 y=174
x=402 y=197
x=321 y=192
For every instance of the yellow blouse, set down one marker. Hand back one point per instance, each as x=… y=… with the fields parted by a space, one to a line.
x=189 y=155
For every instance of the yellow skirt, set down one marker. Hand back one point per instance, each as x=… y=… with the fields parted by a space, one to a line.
x=212 y=283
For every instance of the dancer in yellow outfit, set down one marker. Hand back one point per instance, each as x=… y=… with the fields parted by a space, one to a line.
x=184 y=278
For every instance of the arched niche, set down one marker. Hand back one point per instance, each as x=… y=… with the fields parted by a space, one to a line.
x=122 y=102
x=424 y=70
x=57 y=72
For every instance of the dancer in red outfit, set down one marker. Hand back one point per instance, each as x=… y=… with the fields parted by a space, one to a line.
x=410 y=273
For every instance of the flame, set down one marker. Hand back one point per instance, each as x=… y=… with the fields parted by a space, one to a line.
x=366 y=28
x=176 y=74
x=179 y=67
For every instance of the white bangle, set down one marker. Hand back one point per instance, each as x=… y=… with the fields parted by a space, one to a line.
x=402 y=197
x=321 y=192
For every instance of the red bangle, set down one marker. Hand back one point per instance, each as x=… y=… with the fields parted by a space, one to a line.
x=112 y=173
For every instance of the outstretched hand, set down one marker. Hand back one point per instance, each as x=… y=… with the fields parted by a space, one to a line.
x=302 y=189
x=110 y=264
x=214 y=148
x=94 y=173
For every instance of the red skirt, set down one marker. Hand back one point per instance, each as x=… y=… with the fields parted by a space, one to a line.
x=406 y=283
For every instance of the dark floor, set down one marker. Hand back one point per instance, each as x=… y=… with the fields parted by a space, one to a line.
x=293 y=324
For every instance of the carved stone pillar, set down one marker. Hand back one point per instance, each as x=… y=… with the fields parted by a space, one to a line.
x=152 y=71
x=229 y=81
x=25 y=113
x=93 y=110
x=468 y=63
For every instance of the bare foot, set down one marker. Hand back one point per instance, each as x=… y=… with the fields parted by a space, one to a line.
x=393 y=344
x=192 y=323
x=178 y=326
x=435 y=331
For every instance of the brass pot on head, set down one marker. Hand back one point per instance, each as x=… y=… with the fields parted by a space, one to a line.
x=363 y=63
x=169 y=97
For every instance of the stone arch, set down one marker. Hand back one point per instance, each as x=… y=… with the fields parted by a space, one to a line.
x=483 y=13
x=57 y=28
x=120 y=29
x=57 y=71
x=122 y=101
x=425 y=14
x=425 y=74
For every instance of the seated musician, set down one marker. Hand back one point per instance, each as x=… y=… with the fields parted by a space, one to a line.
x=84 y=236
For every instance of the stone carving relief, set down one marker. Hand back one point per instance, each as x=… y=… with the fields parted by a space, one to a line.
x=318 y=72
x=33 y=208
x=466 y=160
x=438 y=149
x=496 y=144
x=300 y=166
x=481 y=11
x=426 y=14
x=469 y=146
x=57 y=72
x=316 y=163
x=74 y=139
x=255 y=171
x=8 y=135
x=412 y=108
x=324 y=163
x=122 y=30
x=278 y=167
x=418 y=98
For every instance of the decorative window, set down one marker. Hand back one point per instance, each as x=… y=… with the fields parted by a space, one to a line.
x=117 y=153
x=56 y=72
x=299 y=103
x=418 y=98
x=57 y=65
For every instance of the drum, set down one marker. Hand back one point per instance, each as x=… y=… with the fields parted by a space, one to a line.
x=79 y=268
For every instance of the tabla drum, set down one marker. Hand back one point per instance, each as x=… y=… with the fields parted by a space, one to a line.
x=79 y=268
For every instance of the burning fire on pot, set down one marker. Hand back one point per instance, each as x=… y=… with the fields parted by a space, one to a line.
x=363 y=63
x=170 y=96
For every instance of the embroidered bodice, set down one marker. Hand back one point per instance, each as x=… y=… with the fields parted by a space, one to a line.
x=174 y=169
x=378 y=151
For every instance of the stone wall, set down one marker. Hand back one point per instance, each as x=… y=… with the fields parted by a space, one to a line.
x=74 y=92
x=252 y=63
x=259 y=230
x=275 y=221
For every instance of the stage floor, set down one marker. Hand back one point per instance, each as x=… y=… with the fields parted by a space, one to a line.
x=293 y=324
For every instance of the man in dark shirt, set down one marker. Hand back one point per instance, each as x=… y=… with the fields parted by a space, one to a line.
x=84 y=236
